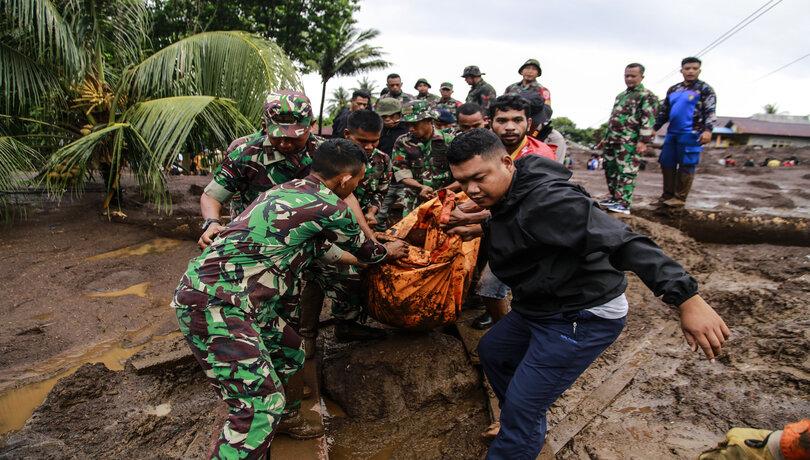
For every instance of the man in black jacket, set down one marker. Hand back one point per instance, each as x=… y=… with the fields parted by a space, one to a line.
x=564 y=260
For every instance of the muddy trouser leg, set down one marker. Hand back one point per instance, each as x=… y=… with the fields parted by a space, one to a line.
x=382 y=214
x=611 y=169
x=530 y=363
x=342 y=286
x=231 y=345
x=628 y=162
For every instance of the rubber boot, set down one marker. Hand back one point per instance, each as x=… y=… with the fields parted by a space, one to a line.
x=297 y=427
x=669 y=178
x=682 y=186
x=311 y=304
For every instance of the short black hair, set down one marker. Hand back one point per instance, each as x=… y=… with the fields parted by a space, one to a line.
x=470 y=108
x=510 y=102
x=691 y=60
x=392 y=75
x=361 y=93
x=366 y=120
x=477 y=141
x=637 y=66
x=337 y=156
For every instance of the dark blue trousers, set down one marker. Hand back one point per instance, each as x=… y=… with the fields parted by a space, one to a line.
x=530 y=363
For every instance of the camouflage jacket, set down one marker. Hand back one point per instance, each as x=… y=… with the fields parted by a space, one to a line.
x=372 y=189
x=450 y=104
x=431 y=98
x=424 y=161
x=519 y=88
x=258 y=259
x=482 y=93
x=403 y=98
x=253 y=167
x=688 y=108
x=633 y=117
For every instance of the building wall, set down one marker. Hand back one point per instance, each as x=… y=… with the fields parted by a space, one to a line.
x=778 y=141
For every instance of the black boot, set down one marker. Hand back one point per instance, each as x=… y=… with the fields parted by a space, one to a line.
x=482 y=322
x=349 y=331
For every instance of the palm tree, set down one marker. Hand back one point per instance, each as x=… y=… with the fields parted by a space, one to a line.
x=771 y=109
x=339 y=99
x=368 y=85
x=81 y=90
x=348 y=54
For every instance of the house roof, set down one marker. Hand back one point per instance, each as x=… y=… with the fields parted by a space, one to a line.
x=741 y=125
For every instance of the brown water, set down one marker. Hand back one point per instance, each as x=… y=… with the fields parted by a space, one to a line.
x=17 y=404
x=154 y=246
x=136 y=290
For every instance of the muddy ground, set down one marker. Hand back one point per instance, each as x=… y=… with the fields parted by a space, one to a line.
x=80 y=289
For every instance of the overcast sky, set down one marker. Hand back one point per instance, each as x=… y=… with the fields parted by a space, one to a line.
x=583 y=46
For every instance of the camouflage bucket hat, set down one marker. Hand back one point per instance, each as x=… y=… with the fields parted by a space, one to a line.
x=533 y=62
x=287 y=114
x=472 y=71
x=418 y=110
x=446 y=85
x=388 y=106
x=421 y=80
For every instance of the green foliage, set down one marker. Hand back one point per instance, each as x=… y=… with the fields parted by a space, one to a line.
x=304 y=28
x=770 y=109
x=339 y=99
x=82 y=90
x=586 y=136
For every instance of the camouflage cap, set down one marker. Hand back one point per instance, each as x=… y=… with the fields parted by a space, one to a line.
x=533 y=62
x=287 y=114
x=472 y=71
x=418 y=110
x=388 y=106
x=421 y=80
x=446 y=85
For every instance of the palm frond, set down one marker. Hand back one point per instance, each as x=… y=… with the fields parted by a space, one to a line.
x=16 y=159
x=24 y=81
x=233 y=65
x=50 y=33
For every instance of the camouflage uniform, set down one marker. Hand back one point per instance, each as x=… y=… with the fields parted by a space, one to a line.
x=372 y=189
x=482 y=93
x=448 y=104
x=403 y=98
x=631 y=121
x=424 y=161
x=534 y=87
x=236 y=299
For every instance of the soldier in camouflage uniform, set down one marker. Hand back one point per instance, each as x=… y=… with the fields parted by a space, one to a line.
x=423 y=92
x=446 y=101
x=530 y=70
x=481 y=92
x=393 y=89
x=236 y=299
x=630 y=129
x=420 y=158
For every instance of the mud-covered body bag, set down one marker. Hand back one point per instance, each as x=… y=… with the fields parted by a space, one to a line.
x=424 y=290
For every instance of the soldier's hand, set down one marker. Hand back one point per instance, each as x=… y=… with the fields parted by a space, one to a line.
x=641 y=147
x=467 y=232
x=600 y=145
x=457 y=217
x=371 y=218
x=703 y=327
x=469 y=206
x=396 y=249
x=426 y=193
x=705 y=137
x=209 y=234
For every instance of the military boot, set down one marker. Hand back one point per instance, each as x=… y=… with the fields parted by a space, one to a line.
x=311 y=304
x=297 y=427
x=351 y=330
x=668 y=176
x=682 y=187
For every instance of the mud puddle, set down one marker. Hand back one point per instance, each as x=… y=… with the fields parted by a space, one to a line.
x=155 y=246
x=17 y=404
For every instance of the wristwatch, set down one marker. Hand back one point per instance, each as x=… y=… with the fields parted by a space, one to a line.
x=207 y=223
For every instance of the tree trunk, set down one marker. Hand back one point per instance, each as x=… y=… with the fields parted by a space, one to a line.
x=320 y=113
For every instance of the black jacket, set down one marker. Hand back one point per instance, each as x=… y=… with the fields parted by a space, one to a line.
x=390 y=135
x=558 y=251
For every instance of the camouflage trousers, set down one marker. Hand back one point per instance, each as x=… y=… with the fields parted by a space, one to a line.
x=248 y=357
x=386 y=218
x=406 y=200
x=621 y=169
x=341 y=284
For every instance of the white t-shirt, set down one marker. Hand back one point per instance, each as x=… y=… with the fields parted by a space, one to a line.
x=612 y=309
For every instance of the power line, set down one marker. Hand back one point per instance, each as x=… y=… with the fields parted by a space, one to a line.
x=784 y=66
x=743 y=23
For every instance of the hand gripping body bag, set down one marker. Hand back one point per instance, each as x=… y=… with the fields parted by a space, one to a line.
x=424 y=290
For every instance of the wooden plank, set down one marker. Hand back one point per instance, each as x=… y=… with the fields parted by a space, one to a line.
x=312 y=410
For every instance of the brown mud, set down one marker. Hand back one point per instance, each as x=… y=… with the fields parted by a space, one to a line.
x=79 y=286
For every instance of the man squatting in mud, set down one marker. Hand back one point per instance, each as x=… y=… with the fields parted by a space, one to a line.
x=564 y=259
x=236 y=300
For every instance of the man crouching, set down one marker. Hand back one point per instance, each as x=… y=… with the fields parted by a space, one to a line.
x=235 y=300
x=564 y=260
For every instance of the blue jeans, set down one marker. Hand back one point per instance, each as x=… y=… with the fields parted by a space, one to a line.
x=681 y=151
x=530 y=363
